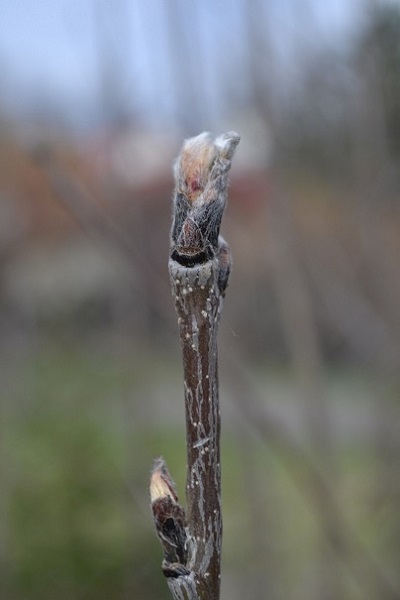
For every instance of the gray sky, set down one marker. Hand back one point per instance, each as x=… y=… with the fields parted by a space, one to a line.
x=57 y=51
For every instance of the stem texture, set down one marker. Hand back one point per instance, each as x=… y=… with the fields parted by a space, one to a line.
x=199 y=268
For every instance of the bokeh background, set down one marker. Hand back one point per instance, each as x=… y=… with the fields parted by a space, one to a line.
x=96 y=97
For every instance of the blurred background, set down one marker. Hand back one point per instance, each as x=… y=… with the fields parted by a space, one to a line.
x=95 y=100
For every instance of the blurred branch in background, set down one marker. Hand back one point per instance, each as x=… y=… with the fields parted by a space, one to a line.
x=309 y=473
x=295 y=307
x=97 y=223
x=87 y=330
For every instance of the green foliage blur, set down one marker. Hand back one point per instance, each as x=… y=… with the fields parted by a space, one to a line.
x=75 y=477
x=309 y=349
x=73 y=526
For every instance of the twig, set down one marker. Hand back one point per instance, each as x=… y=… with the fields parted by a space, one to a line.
x=199 y=269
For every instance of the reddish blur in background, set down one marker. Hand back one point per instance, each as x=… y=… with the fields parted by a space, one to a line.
x=95 y=100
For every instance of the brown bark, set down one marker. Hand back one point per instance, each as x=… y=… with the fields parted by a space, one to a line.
x=199 y=269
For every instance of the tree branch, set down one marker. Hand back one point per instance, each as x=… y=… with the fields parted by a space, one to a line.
x=199 y=268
